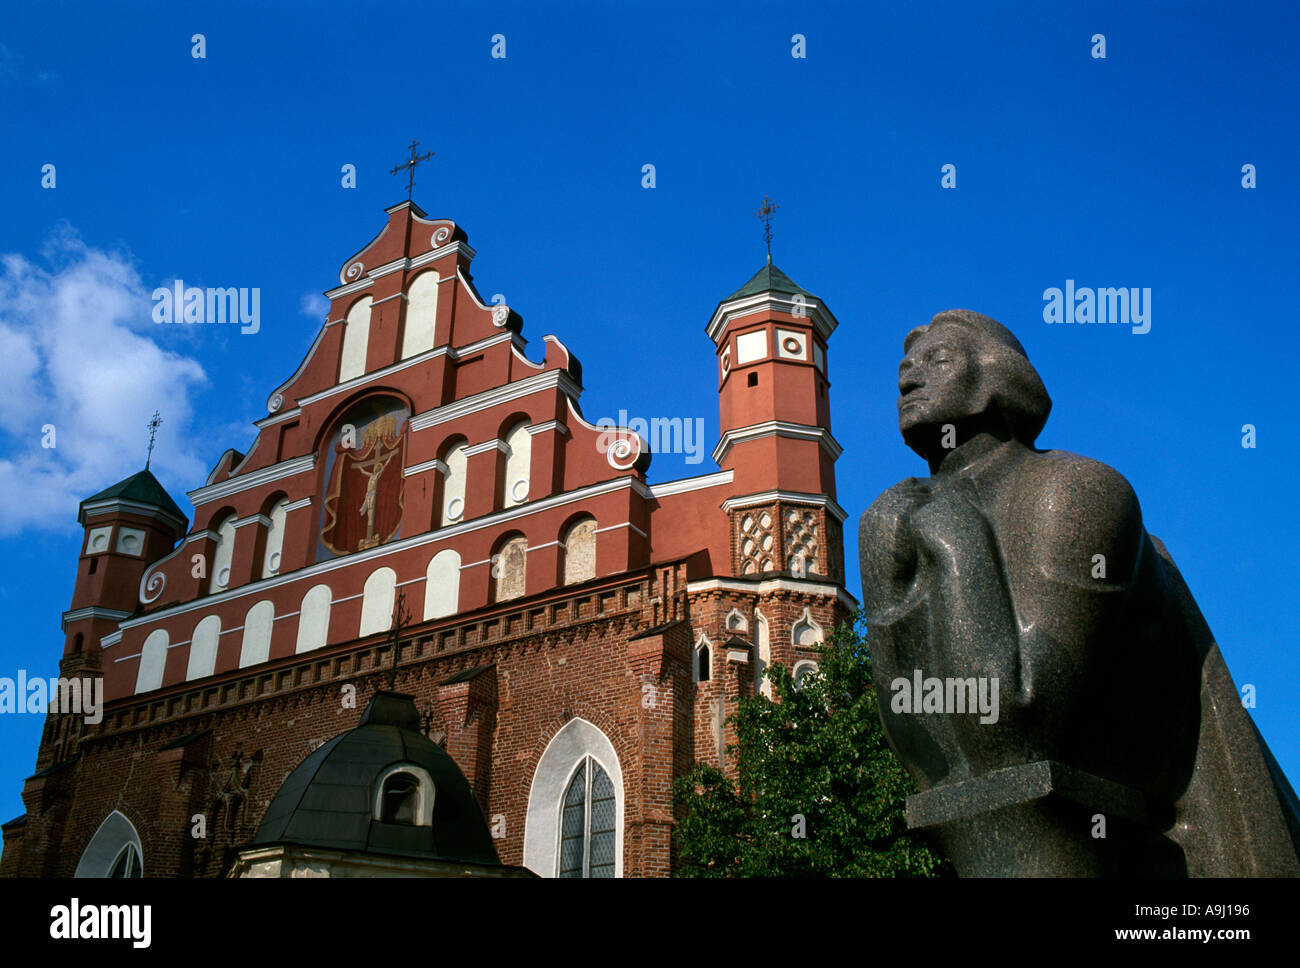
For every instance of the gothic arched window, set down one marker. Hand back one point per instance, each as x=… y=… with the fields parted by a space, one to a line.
x=703 y=660
x=589 y=823
x=127 y=863
x=114 y=850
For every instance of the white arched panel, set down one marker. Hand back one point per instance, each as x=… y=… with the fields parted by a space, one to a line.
x=153 y=657
x=314 y=619
x=256 y=646
x=580 y=551
x=510 y=569
x=203 y=648
x=453 y=489
x=377 y=601
x=421 y=314
x=274 y=539
x=356 y=340
x=442 y=585
x=519 y=461
x=221 y=557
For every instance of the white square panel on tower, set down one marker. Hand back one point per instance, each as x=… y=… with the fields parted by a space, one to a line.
x=791 y=345
x=751 y=347
x=97 y=540
x=130 y=541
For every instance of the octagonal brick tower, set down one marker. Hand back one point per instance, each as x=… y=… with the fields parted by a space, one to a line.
x=774 y=401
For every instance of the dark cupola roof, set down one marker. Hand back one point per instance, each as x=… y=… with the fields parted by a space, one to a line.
x=329 y=800
x=140 y=488
x=769 y=279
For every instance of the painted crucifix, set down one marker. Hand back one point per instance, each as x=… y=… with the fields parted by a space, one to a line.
x=363 y=503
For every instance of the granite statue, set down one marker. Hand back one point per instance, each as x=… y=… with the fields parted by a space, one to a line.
x=1043 y=672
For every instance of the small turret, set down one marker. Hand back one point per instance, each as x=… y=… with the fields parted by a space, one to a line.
x=127 y=527
x=774 y=405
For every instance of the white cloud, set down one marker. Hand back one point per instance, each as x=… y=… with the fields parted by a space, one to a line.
x=314 y=305
x=77 y=354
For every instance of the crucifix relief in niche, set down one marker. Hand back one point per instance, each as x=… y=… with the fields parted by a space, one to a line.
x=363 y=494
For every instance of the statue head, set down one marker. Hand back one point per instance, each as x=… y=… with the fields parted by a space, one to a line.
x=968 y=370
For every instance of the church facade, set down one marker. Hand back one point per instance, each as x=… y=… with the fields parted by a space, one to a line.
x=426 y=512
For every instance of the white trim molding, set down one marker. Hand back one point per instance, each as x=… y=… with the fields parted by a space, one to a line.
x=243 y=482
x=769 y=585
x=93 y=612
x=487 y=445
x=428 y=465
x=625 y=524
x=808 y=309
x=545 y=425
x=550 y=380
x=88 y=511
x=778 y=428
x=368 y=276
x=668 y=488
x=790 y=497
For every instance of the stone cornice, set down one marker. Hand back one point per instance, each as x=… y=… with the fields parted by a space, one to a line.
x=93 y=612
x=766 y=586
x=549 y=380
x=810 y=311
x=251 y=479
x=779 y=428
x=691 y=484
x=792 y=497
x=131 y=507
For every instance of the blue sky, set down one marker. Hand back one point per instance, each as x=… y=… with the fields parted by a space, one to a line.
x=225 y=171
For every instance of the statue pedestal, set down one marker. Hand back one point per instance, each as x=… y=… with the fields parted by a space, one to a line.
x=1039 y=820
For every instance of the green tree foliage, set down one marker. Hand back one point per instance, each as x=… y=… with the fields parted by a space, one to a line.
x=820 y=794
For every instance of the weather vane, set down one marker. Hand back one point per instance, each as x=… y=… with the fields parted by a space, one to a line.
x=765 y=213
x=153 y=430
x=409 y=167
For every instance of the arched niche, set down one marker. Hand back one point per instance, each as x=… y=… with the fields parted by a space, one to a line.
x=577 y=741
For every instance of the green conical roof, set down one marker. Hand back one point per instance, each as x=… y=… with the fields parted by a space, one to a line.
x=769 y=279
x=141 y=488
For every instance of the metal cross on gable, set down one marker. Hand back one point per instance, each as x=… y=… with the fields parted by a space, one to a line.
x=409 y=167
